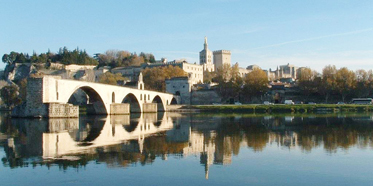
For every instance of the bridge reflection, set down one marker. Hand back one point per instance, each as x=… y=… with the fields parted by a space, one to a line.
x=70 y=136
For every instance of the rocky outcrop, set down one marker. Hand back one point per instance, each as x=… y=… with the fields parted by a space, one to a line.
x=19 y=71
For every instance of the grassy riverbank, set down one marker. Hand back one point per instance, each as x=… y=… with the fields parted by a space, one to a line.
x=283 y=108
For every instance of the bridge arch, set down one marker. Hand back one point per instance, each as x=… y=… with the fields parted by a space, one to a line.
x=160 y=105
x=133 y=101
x=173 y=101
x=94 y=104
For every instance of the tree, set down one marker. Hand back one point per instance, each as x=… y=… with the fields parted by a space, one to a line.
x=345 y=82
x=9 y=95
x=22 y=84
x=10 y=58
x=255 y=83
x=306 y=81
x=154 y=78
x=223 y=74
x=110 y=78
x=328 y=82
x=229 y=81
x=208 y=76
x=362 y=83
x=121 y=58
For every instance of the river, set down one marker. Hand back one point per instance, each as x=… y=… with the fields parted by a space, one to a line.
x=188 y=149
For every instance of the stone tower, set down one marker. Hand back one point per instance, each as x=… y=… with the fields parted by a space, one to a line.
x=222 y=57
x=205 y=58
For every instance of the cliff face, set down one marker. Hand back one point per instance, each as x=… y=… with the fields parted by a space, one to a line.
x=18 y=71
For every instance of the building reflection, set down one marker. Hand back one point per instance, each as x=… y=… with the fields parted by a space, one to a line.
x=120 y=141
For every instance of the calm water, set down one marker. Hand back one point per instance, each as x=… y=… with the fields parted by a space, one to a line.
x=174 y=149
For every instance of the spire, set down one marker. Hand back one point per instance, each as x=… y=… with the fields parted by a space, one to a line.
x=205 y=44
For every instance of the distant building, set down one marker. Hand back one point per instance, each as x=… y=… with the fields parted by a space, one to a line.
x=284 y=71
x=205 y=58
x=75 y=68
x=253 y=67
x=222 y=57
x=131 y=73
x=243 y=72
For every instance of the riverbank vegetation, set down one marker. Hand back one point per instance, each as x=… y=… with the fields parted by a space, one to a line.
x=331 y=84
x=302 y=108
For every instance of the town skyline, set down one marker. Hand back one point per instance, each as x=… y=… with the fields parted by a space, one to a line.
x=266 y=34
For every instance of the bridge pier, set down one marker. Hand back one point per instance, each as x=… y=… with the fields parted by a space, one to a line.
x=119 y=108
x=149 y=107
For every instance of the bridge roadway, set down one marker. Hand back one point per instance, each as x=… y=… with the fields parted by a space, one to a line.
x=102 y=97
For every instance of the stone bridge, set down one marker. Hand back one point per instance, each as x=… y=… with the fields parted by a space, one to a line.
x=48 y=96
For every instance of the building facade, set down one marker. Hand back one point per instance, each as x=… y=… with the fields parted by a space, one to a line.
x=205 y=58
x=284 y=71
x=180 y=86
x=222 y=57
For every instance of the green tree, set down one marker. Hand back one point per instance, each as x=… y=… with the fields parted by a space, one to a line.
x=255 y=84
x=328 y=82
x=10 y=96
x=22 y=84
x=10 y=58
x=362 y=88
x=345 y=82
x=229 y=81
x=306 y=81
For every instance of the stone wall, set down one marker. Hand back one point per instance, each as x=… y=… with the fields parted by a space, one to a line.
x=58 y=110
x=180 y=86
x=205 y=97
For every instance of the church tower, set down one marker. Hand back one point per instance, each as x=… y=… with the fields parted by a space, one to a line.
x=205 y=58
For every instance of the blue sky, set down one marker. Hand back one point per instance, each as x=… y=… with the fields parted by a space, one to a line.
x=267 y=33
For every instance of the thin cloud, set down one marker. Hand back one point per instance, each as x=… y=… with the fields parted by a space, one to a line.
x=315 y=38
x=176 y=52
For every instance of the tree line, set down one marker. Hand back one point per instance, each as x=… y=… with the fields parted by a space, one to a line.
x=112 y=58
x=336 y=82
x=63 y=56
x=233 y=86
x=122 y=58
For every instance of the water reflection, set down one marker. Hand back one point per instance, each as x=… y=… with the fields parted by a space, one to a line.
x=119 y=141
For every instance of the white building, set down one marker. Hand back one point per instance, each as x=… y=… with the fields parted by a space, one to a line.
x=284 y=71
x=205 y=58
